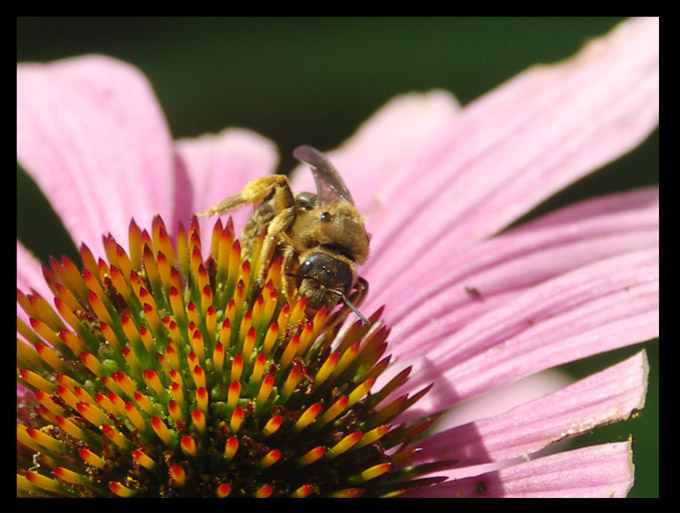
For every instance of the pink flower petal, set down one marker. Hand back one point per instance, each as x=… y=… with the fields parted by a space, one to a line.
x=29 y=274
x=599 y=471
x=91 y=134
x=606 y=397
x=503 y=267
x=597 y=308
x=380 y=154
x=217 y=166
x=516 y=146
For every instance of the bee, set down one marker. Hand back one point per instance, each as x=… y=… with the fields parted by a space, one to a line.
x=321 y=237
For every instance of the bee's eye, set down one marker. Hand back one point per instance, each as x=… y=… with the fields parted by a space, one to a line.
x=325 y=217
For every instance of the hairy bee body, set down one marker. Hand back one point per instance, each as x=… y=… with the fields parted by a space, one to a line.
x=321 y=237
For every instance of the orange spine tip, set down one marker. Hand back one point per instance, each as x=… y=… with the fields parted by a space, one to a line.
x=344 y=445
x=70 y=477
x=218 y=357
x=66 y=310
x=68 y=396
x=134 y=416
x=302 y=492
x=257 y=309
x=198 y=419
x=44 y=482
x=298 y=311
x=206 y=294
x=147 y=340
x=178 y=475
x=248 y=343
x=289 y=352
x=153 y=381
x=161 y=430
x=143 y=402
x=326 y=369
x=272 y=425
x=263 y=492
x=119 y=489
x=308 y=416
x=347 y=358
x=199 y=376
x=143 y=459
x=211 y=321
x=198 y=345
x=225 y=333
x=202 y=399
x=45 y=440
x=373 y=435
x=99 y=308
x=113 y=435
x=258 y=368
x=131 y=359
x=265 y=389
x=45 y=332
x=91 y=458
x=360 y=391
x=223 y=490
x=51 y=358
x=92 y=363
x=270 y=338
x=311 y=456
x=236 y=368
x=192 y=313
x=305 y=338
x=188 y=445
x=333 y=411
x=105 y=402
x=270 y=458
x=233 y=394
x=48 y=402
x=283 y=318
x=270 y=306
x=236 y=419
x=177 y=392
x=175 y=411
x=36 y=381
x=291 y=382
x=230 y=447
x=371 y=473
x=70 y=428
x=110 y=336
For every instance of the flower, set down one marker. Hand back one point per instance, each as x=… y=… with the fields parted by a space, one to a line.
x=470 y=307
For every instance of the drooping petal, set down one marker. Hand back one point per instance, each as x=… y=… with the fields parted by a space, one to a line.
x=607 y=305
x=217 y=166
x=92 y=135
x=598 y=471
x=606 y=397
x=516 y=146
x=453 y=290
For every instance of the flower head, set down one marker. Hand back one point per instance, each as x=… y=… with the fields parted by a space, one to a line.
x=163 y=368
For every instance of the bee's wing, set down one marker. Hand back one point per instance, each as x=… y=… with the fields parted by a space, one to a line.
x=329 y=183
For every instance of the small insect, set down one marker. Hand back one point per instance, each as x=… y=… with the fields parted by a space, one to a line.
x=321 y=237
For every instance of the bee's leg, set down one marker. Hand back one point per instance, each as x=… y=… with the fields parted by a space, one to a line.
x=276 y=228
x=256 y=192
x=287 y=284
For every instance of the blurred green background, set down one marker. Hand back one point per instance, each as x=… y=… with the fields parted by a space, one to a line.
x=310 y=80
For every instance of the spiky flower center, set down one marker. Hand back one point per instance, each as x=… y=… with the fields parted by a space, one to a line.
x=165 y=374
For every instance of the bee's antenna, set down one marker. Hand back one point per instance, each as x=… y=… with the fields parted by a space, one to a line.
x=351 y=305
